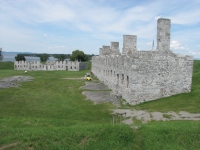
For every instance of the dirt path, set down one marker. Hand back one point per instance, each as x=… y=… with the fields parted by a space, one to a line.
x=9 y=146
x=100 y=93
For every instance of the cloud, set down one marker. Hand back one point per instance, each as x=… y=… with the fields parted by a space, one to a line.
x=56 y=47
x=92 y=24
x=60 y=47
x=175 y=45
x=149 y=43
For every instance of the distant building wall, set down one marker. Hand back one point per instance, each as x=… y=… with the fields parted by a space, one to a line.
x=141 y=76
x=50 y=66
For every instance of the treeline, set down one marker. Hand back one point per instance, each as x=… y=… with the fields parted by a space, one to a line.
x=49 y=55
x=76 y=55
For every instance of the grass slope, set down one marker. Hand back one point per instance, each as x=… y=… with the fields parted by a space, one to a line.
x=51 y=113
x=6 y=65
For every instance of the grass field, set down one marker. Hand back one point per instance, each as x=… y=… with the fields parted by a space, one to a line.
x=51 y=113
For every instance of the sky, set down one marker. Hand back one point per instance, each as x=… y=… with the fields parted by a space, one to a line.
x=62 y=26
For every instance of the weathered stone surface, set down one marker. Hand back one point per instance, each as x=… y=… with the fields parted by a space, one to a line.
x=141 y=76
x=129 y=43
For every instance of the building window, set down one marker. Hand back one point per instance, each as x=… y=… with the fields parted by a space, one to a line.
x=127 y=82
x=122 y=78
x=117 y=78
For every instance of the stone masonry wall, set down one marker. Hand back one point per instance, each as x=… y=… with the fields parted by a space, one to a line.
x=141 y=76
x=50 y=66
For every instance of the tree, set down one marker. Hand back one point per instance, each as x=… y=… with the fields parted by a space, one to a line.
x=20 y=57
x=44 y=57
x=1 y=56
x=78 y=55
x=60 y=57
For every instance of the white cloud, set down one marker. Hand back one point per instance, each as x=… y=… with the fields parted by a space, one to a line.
x=60 y=47
x=175 y=45
x=150 y=43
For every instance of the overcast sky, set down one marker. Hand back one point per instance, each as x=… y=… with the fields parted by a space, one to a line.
x=61 y=26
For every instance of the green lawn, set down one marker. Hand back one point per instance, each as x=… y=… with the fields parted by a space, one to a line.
x=51 y=113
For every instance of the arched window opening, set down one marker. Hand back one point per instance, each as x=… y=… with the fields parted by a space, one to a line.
x=122 y=78
x=127 y=82
x=117 y=78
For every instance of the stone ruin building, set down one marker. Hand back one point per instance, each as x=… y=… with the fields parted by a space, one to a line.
x=140 y=76
x=50 y=66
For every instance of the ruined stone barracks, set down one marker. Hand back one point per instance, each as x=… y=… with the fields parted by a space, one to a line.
x=50 y=66
x=140 y=76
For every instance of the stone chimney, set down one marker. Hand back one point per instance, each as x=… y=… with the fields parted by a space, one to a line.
x=163 y=34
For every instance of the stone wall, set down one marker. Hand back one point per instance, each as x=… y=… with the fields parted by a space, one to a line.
x=141 y=76
x=50 y=66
